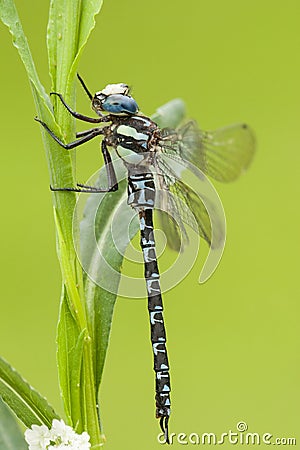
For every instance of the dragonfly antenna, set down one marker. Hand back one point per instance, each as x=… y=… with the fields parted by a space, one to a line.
x=84 y=86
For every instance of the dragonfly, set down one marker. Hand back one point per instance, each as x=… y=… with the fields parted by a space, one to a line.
x=144 y=148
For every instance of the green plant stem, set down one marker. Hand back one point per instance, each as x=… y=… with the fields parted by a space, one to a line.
x=70 y=24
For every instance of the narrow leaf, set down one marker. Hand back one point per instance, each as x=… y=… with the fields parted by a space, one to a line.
x=57 y=158
x=70 y=24
x=9 y=17
x=70 y=327
x=69 y=27
x=24 y=400
x=62 y=40
x=67 y=34
x=67 y=337
x=89 y=10
x=76 y=383
x=11 y=437
x=73 y=354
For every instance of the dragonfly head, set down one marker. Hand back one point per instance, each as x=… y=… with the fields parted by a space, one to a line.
x=114 y=99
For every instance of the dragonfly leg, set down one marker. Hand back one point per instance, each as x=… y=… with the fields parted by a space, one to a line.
x=81 y=188
x=86 y=132
x=110 y=171
x=87 y=137
x=78 y=115
x=111 y=177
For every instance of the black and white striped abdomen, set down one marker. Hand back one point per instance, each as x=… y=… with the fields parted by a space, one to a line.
x=141 y=196
x=155 y=308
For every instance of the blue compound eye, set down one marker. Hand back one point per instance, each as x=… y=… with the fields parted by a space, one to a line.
x=118 y=104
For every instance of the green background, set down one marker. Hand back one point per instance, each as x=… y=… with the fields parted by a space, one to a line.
x=233 y=342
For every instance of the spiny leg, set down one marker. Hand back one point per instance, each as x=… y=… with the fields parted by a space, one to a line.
x=86 y=132
x=87 y=137
x=86 y=189
x=110 y=172
x=78 y=115
x=111 y=178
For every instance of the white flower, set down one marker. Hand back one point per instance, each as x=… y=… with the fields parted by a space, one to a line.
x=38 y=437
x=59 y=437
x=59 y=446
x=61 y=432
x=82 y=441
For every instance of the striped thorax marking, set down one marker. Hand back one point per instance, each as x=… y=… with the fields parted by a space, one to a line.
x=131 y=142
x=130 y=131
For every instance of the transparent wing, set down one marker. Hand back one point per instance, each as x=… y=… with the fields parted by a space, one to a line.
x=170 y=208
x=223 y=154
x=196 y=207
x=182 y=207
x=187 y=201
x=175 y=234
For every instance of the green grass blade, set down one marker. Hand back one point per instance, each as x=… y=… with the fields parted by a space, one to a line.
x=28 y=405
x=67 y=354
x=74 y=346
x=10 y=18
x=57 y=159
x=11 y=437
x=62 y=40
x=69 y=27
x=70 y=24
x=89 y=9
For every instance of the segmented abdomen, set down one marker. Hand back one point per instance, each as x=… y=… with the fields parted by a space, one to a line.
x=141 y=195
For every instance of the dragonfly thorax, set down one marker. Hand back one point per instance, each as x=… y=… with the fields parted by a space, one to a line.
x=132 y=139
